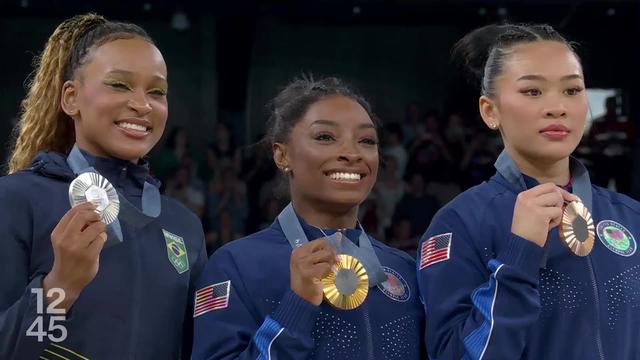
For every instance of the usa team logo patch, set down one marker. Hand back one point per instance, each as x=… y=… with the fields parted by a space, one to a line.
x=435 y=250
x=616 y=237
x=212 y=297
x=395 y=287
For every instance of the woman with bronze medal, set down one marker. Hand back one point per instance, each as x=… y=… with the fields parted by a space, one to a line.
x=95 y=262
x=314 y=285
x=536 y=263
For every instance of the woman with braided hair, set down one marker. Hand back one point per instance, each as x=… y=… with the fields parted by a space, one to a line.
x=80 y=288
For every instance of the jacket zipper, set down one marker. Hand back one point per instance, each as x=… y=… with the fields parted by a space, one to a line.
x=597 y=304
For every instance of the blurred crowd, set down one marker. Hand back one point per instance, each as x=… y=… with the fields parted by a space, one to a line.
x=427 y=159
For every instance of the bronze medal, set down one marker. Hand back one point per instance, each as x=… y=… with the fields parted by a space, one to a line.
x=577 y=231
x=348 y=287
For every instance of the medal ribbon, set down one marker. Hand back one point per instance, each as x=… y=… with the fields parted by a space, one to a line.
x=581 y=184
x=364 y=252
x=151 y=204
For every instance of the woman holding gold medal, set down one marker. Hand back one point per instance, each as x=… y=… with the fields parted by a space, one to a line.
x=95 y=262
x=535 y=263
x=314 y=285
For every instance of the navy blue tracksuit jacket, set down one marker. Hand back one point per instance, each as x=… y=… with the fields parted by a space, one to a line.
x=490 y=297
x=264 y=319
x=136 y=306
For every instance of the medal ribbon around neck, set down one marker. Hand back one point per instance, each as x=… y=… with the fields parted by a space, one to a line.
x=151 y=203
x=577 y=231
x=347 y=288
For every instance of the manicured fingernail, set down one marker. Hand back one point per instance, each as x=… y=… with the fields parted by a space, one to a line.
x=334 y=268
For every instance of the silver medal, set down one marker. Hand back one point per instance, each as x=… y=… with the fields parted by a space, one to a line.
x=95 y=188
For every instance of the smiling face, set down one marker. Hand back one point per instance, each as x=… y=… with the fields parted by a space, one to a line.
x=118 y=99
x=332 y=153
x=540 y=104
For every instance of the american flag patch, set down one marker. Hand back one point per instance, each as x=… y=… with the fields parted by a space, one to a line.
x=212 y=297
x=435 y=250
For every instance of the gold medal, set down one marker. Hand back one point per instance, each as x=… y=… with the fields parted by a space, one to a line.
x=348 y=287
x=577 y=231
x=95 y=188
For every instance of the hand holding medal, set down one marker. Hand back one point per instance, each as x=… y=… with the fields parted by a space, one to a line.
x=331 y=267
x=317 y=272
x=309 y=263
x=79 y=236
x=539 y=210
x=77 y=241
x=557 y=207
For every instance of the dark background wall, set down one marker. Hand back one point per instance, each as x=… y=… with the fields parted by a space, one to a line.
x=395 y=64
x=233 y=58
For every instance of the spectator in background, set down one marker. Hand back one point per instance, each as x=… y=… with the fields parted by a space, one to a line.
x=225 y=232
x=167 y=161
x=477 y=164
x=443 y=184
x=273 y=187
x=368 y=215
x=223 y=151
x=393 y=147
x=411 y=126
x=389 y=190
x=456 y=136
x=428 y=153
x=270 y=211
x=416 y=206
x=401 y=237
x=258 y=170
x=611 y=138
x=226 y=193
x=186 y=188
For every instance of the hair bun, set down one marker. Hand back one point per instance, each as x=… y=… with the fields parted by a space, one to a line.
x=473 y=49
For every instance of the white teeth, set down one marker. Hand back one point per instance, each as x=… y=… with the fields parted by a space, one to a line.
x=344 y=176
x=126 y=125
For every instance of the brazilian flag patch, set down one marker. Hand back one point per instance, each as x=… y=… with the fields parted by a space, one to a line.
x=176 y=251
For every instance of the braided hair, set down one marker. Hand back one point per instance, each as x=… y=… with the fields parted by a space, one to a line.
x=43 y=125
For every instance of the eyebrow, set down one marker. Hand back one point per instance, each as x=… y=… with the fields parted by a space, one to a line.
x=542 y=78
x=130 y=73
x=333 y=123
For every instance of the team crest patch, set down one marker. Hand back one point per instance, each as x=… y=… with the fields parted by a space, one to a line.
x=176 y=251
x=395 y=287
x=616 y=237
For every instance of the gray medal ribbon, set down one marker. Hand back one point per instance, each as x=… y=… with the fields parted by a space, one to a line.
x=151 y=204
x=580 y=182
x=364 y=252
